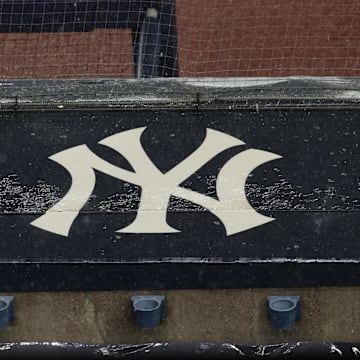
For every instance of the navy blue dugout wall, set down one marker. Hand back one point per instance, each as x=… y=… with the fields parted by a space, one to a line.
x=174 y=184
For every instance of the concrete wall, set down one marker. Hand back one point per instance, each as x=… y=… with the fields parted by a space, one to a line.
x=237 y=316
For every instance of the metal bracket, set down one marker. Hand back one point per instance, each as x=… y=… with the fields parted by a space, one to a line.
x=7 y=310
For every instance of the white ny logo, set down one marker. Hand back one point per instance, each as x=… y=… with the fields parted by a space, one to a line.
x=232 y=207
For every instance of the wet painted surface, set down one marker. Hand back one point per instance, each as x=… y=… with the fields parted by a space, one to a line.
x=311 y=193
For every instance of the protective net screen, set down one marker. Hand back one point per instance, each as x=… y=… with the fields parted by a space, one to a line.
x=169 y=38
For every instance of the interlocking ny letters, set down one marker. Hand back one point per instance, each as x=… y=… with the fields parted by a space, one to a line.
x=231 y=207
